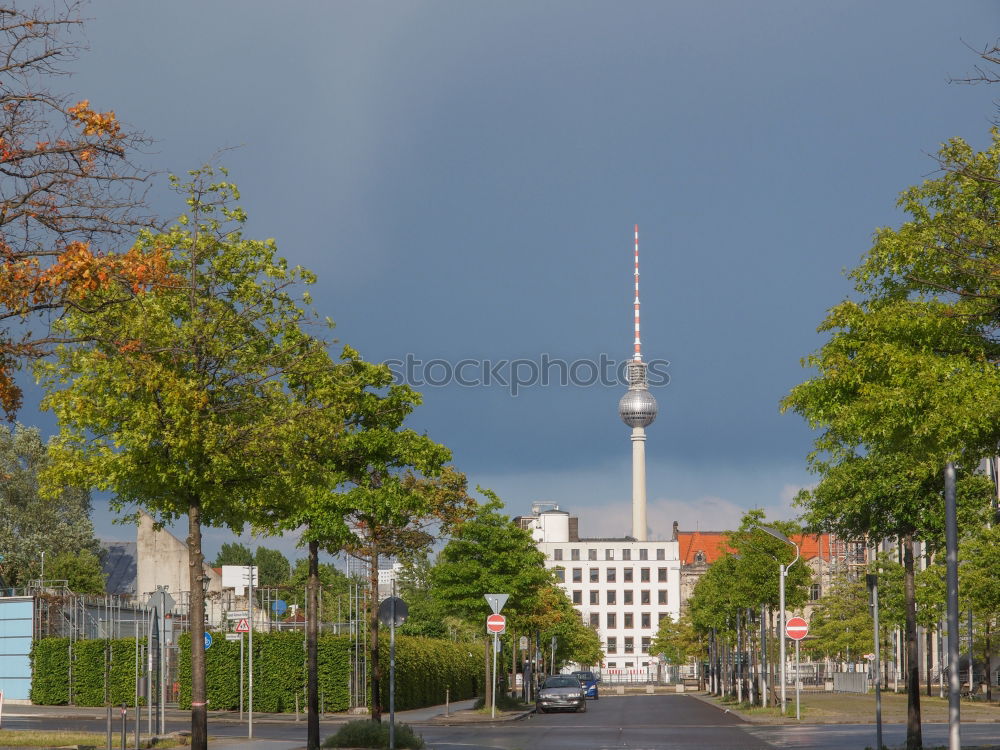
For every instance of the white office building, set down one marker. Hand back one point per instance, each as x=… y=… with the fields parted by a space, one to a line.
x=622 y=587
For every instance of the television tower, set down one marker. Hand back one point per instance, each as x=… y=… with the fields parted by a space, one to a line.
x=638 y=409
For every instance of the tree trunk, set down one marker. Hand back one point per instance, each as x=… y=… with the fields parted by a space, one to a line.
x=914 y=739
x=312 y=649
x=376 y=665
x=196 y=616
x=989 y=662
x=513 y=665
x=929 y=660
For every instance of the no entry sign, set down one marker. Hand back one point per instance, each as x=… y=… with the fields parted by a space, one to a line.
x=496 y=624
x=796 y=628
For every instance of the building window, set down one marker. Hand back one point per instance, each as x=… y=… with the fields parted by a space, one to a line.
x=612 y=665
x=628 y=664
x=595 y=620
x=815 y=592
x=612 y=620
x=646 y=620
x=577 y=575
x=611 y=597
x=660 y=617
x=626 y=554
x=644 y=598
x=661 y=554
x=661 y=596
x=661 y=575
x=612 y=645
x=594 y=597
x=577 y=597
x=644 y=575
x=627 y=575
x=574 y=554
x=629 y=621
x=644 y=554
x=560 y=575
x=645 y=645
x=557 y=554
x=595 y=575
x=591 y=554
x=628 y=596
x=611 y=573
x=629 y=645
x=609 y=554
x=699 y=557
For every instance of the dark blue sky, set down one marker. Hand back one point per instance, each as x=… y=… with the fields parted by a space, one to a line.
x=464 y=178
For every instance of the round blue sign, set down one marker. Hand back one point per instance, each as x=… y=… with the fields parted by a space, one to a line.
x=208 y=640
x=279 y=607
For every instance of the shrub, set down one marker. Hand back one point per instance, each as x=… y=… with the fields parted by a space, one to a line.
x=50 y=672
x=365 y=733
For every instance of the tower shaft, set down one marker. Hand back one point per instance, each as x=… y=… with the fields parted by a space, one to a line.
x=639 y=483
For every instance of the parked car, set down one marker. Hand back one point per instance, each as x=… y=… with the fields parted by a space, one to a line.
x=561 y=692
x=589 y=681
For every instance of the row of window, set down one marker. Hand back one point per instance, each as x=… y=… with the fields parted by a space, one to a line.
x=628 y=620
x=628 y=597
x=628 y=646
x=609 y=554
x=611 y=575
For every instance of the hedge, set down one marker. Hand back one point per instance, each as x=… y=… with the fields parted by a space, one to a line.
x=425 y=669
x=92 y=661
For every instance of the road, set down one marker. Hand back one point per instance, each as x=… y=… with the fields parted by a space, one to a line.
x=643 y=722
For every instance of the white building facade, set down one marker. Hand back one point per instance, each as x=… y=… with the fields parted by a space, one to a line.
x=621 y=587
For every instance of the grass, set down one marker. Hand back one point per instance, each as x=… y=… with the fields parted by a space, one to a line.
x=11 y=738
x=365 y=733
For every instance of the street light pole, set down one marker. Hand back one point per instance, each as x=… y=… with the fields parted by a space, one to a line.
x=783 y=570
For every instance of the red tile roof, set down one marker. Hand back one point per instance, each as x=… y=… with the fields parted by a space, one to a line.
x=713 y=545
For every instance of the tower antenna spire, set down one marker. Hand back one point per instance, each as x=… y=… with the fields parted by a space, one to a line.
x=637 y=345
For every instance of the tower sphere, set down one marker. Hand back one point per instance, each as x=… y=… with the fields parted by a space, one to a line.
x=637 y=408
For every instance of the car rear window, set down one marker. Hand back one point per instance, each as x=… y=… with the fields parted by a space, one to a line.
x=554 y=682
x=584 y=676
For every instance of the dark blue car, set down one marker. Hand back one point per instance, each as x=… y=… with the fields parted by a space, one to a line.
x=589 y=681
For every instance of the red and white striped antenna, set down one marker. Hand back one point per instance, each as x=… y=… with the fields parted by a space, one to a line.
x=638 y=341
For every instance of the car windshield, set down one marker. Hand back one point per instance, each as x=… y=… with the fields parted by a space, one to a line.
x=557 y=682
x=584 y=676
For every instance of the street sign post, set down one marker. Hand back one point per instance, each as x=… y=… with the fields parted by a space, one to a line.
x=797 y=629
x=243 y=626
x=499 y=625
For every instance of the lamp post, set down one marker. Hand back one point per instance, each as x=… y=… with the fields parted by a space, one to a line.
x=783 y=569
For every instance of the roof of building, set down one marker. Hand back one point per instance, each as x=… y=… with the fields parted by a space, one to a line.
x=712 y=544
x=118 y=563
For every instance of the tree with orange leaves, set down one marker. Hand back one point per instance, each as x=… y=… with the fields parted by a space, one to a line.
x=71 y=199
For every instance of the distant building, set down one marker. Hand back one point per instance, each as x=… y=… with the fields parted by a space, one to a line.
x=622 y=587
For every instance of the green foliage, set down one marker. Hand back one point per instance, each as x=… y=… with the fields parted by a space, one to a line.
x=489 y=553
x=365 y=734
x=233 y=553
x=31 y=524
x=841 y=623
x=102 y=671
x=273 y=568
x=50 y=672
x=81 y=569
x=675 y=640
x=425 y=668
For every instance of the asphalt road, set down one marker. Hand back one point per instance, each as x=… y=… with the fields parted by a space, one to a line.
x=647 y=722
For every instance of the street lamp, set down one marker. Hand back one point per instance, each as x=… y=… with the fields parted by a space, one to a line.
x=781 y=603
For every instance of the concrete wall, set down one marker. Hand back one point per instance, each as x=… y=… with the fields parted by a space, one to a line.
x=162 y=560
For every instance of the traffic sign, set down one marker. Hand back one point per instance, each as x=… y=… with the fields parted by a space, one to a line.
x=496 y=624
x=796 y=628
x=523 y=643
x=279 y=607
x=208 y=640
x=387 y=612
x=237 y=614
x=233 y=636
x=243 y=626
x=496 y=601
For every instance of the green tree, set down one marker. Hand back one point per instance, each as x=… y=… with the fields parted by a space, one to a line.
x=233 y=553
x=33 y=525
x=80 y=569
x=182 y=404
x=273 y=567
x=841 y=624
x=677 y=641
x=554 y=616
x=907 y=380
x=980 y=555
x=428 y=615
